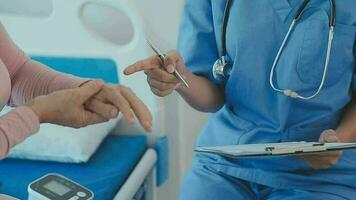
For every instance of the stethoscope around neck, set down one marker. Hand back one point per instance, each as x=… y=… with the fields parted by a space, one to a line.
x=222 y=69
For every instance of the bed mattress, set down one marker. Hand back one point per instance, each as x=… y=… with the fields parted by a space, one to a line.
x=104 y=174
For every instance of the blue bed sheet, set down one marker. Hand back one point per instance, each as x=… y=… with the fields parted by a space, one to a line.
x=104 y=174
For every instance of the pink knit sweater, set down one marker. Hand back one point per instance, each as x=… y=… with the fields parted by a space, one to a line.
x=22 y=79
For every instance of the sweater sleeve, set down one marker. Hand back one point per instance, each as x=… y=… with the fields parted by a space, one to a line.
x=15 y=126
x=34 y=79
x=30 y=79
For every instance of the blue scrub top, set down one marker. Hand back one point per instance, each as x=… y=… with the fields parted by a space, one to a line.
x=253 y=112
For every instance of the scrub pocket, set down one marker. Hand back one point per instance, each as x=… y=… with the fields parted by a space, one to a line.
x=312 y=59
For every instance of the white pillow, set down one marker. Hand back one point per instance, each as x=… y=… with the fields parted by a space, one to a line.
x=62 y=144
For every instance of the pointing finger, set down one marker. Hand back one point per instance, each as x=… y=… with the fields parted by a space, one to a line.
x=149 y=63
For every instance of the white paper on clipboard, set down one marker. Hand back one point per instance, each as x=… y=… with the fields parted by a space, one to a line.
x=275 y=149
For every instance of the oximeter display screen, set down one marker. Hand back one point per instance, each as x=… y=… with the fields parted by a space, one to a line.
x=57 y=188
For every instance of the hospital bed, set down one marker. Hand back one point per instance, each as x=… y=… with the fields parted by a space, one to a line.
x=71 y=36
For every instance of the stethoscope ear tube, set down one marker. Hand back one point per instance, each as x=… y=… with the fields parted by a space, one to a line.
x=224 y=27
x=301 y=9
x=333 y=13
x=332 y=21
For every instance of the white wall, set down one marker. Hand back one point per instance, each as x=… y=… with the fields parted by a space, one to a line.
x=183 y=124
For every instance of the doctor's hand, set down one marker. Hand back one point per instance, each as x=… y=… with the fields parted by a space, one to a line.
x=160 y=76
x=67 y=107
x=113 y=99
x=324 y=160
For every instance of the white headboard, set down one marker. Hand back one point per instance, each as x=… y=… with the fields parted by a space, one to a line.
x=86 y=29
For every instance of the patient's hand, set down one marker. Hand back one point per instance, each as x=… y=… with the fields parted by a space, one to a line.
x=113 y=99
x=66 y=107
x=324 y=160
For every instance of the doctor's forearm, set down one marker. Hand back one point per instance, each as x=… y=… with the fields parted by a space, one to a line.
x=202 y=94
x=347 y=128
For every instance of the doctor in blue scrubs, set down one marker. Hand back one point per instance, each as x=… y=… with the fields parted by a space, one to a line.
x=290 y=76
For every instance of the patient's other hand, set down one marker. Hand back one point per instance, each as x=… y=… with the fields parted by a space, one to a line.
x=66 y=107
x=113 y=99
x=324 y=160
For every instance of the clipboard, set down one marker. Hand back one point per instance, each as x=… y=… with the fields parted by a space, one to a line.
x=275 y=149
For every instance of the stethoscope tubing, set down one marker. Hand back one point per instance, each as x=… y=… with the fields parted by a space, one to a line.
x=299 y=13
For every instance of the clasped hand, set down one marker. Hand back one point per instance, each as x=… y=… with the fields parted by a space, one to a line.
x=324 y=160
x=92 y=103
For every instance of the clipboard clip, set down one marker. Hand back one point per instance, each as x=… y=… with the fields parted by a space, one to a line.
x=294 y=149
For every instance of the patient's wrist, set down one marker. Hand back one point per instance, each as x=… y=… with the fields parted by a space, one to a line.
x=37 y=110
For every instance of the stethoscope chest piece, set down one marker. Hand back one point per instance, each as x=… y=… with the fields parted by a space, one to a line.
x=221 y=70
